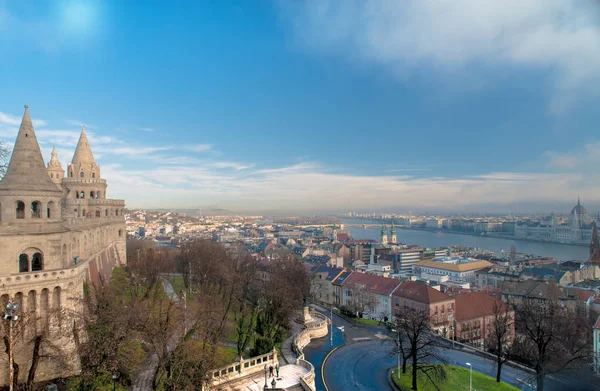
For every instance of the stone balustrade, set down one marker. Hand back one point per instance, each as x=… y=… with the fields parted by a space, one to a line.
x=243 y=368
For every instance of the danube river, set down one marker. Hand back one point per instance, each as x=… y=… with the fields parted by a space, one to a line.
x=564 y=252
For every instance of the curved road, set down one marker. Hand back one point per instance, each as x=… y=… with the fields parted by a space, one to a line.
x=363 y=366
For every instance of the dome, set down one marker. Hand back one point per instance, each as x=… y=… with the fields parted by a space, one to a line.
x=578 y=209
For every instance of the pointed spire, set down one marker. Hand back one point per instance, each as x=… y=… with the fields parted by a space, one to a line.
x=83 y=153
x=26 y=170
x=54 y=162
x=578 y=202
x=393 y=229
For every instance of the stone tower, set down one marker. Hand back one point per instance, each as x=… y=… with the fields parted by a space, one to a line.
x=55 y=169
x=393 y=237
x=384 y=237
x=594 y=246
x=54 y=241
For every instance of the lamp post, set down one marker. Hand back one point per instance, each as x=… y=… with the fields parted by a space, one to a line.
x=273 y=383
x=115 y=376
x=266 y=385
x=9 y=315
x=470 y=376
x=331 y=320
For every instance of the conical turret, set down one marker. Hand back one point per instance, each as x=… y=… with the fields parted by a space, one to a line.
x=83 y=153
x=55 y=169
x=26 y=170
x=83 y=164
x=393 y=237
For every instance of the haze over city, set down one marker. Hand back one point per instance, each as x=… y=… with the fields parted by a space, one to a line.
x=311 y=107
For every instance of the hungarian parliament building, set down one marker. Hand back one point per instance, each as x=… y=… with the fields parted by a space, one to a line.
x=576 y=229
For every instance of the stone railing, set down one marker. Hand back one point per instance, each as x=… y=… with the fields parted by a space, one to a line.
x=315 y=329
x=243 y=368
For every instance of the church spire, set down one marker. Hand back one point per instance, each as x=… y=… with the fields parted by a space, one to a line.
x=83 y=153
x=26 y=170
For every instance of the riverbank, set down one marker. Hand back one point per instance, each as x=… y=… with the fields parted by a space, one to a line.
x=498 y=244
x=507 y=237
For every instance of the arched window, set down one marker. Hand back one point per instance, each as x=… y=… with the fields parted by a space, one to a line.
x=36 y=210
x=37 y=262
x=93 y=174
x=71 y=174
x=23 y=263
x=106 y=212
x=97 y=194
x=51 y=175
x=120 y=233
x=20 y=210
x=82 y=195
x=91 y=194
x=50 y=210
x=98 y=213
x=116 y=212
x=83 y=213
x=81 y=174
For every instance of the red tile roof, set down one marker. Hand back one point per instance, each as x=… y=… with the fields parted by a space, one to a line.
x=597 y=324
x=374 y=283
x=342 y=237
x=420 y=292
x=475 y=305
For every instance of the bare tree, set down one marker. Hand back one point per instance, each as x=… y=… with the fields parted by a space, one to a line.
x=4 y=158
x=551 y=338
x=361 y=300
x=501 y=335
x=414 y=327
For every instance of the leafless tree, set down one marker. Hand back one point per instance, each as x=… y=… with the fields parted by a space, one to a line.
x=551 y=338
x=361 y=300
x=414 y=327
x=4 y=158
x=501 y=335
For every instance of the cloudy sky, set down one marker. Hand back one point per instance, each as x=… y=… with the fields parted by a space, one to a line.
x=464 y=105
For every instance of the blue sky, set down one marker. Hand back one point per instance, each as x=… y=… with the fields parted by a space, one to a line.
x=316 y=106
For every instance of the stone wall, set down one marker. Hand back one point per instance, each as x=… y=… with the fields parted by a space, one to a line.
x=39 y=292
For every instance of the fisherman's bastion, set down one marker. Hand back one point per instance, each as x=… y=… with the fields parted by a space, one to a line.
x=57 y=234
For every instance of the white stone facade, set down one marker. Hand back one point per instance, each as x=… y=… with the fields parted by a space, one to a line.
x=56 y=233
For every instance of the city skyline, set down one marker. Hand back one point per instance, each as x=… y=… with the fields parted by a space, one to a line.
x=279 y=107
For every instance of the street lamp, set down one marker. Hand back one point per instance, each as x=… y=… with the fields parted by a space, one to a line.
x=115 y=376
x=266 y=385
x=9 y=315
x=470 y=376
x=273 y=383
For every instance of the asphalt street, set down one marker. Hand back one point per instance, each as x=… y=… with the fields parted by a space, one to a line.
x=363 y=362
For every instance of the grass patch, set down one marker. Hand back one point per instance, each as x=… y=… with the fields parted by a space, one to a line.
x=457 y=378
x=225 y=355
x=177 y=282
x=369 y=322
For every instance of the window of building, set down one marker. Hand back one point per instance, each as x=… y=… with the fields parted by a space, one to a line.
x=37 y=262
x=36 y=210
x=93 y=174
x=23 y=263
x=106 y=212
x=97 y=213
x=82 y=194
x=91 y=194
x=83 y=213
x=50 y=210
x=20 y=210
x=81 y=174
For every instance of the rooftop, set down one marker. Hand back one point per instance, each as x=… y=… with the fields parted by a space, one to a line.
x=461 y=267
x=475 y=305
x=420 y=292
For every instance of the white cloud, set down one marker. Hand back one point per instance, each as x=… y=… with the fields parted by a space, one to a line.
x=235 y=166
x=586 y=158
x=146 y=129
x=199 y=147
x=562 y=36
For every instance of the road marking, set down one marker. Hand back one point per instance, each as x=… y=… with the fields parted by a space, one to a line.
x=362 y=339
